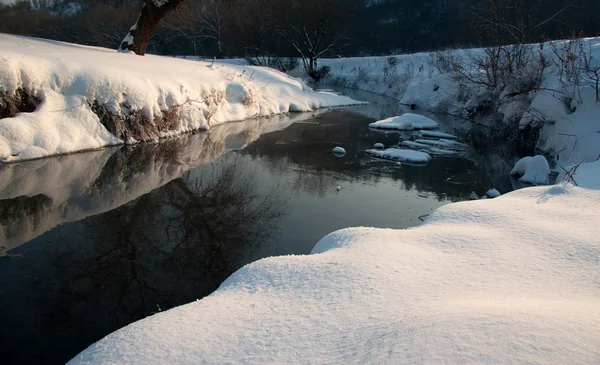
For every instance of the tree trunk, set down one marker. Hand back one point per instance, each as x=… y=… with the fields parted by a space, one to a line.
x=139 y=35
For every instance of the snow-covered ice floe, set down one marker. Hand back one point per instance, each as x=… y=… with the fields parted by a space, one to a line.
x=402 y=155
x=406 y=122
x=533 y=170
x=69 y=79
x=494 y=281
x=413 y=144
x=437 y=134
x=443 y=143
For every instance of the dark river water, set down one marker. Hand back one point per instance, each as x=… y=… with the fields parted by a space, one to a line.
x=93 y=241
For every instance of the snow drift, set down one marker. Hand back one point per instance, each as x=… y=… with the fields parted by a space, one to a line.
x=93 y=97
x=511 y=280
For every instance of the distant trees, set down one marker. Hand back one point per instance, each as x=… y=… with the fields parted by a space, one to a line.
x=522 y=21
x=271 y=29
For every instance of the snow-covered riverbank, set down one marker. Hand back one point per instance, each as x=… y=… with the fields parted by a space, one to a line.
x=551 y=86
x=511 y=280
x=93 y=97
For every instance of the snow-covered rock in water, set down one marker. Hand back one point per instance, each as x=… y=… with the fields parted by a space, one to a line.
x=405 y=156
x=437 y=134
x=378 y=146
x=473 y=196
x=492 y=193
x=339 y=151
x=406 y=122
x=166 y=96
x=413 y=144
x=443 y=143
x=533 y=170
x=495 y=282
x=442 y=151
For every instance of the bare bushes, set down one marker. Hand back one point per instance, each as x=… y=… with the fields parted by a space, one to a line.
x=397 y=76
x=493 y=77
x=576 y=68
x=20 y=101
x=515 y=69
x=267 y=60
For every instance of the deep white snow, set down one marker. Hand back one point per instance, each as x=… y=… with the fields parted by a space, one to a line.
x=402 y=155
x=511 y=280
x=533 y=170
x=69 y=78
x=406 y=122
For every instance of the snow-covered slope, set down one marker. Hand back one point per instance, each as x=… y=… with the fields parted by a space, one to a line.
x=512 y=280
x=563 y=104
x=150 y=96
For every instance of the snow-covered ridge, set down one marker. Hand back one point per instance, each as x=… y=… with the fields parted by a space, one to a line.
x=512 y=280
x=145 y=97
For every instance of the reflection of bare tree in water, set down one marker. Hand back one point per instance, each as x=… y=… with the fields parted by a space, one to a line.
x=166 y=248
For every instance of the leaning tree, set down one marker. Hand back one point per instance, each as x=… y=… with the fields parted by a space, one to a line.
x=153 y=11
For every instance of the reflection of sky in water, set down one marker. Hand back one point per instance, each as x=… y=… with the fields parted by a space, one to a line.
x=115 y=235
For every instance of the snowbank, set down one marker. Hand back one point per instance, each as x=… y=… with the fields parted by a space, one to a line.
x=406 y=122
x=533 y=170
x=566 y=110
x=511 y=280
x=138 y=98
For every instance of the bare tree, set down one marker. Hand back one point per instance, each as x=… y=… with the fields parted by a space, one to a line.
x=313 y=28
x=201 y=21
x=153 y=11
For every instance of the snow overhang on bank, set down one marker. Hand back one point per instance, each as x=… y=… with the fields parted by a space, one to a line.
x=94 y=97
x=511 y=280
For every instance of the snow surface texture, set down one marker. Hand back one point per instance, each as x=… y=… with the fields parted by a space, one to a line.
x=402 y=155
x=511 y=280
x=406 y=122
x=533 y=170
x=426 y=79
x=68 y=78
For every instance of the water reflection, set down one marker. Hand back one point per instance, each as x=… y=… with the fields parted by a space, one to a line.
x=306 y=147
x=168 y=247
x=38 y=195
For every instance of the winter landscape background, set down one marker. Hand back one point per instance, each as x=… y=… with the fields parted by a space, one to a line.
x=179 y=179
